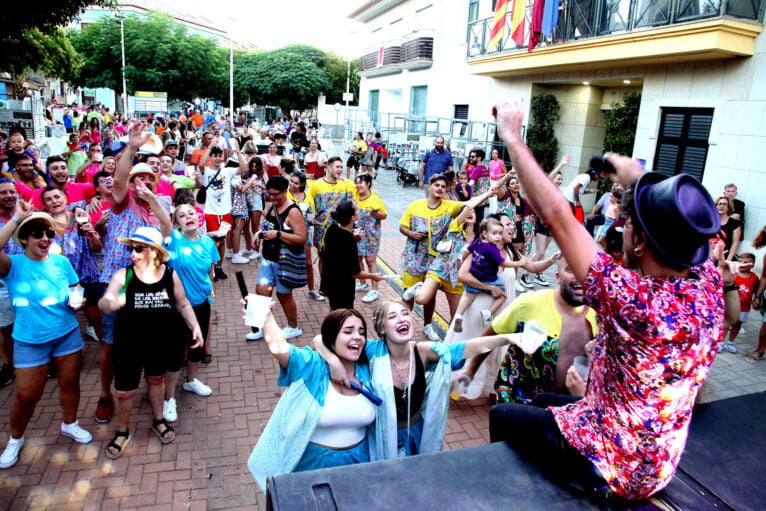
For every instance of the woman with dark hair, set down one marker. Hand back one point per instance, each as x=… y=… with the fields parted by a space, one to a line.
x=84 y=133
x=372 y=212
x=271 y=161
x=246 y=208
x=150 y=302
x=357 y=149
x=46 y=327
x=511 y=203
x=731 y=228
x=283 y=226
x=315 y=160
x=340 y=258
x=317 y=423
x=95 y=130
x=297 y=194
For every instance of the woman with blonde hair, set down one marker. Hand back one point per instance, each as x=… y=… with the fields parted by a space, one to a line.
x=147 y=292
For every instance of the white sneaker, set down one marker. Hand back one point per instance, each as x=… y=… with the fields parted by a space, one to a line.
x=11 y=453
x=90 y=331
x=519 y=287
x=253 y=255
x=290 y=332
x=239 y=259
x=486 y=317
x=76 y=433
x=229 y=253
x=169 y=411
x=457 y=323
x=197 y=387
x=409 y=293
x=316 y=295
x=362 y=287
x=371 y=296
x=430 y=333
x=254 y=336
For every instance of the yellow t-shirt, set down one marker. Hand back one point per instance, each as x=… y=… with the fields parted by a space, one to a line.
x=541 y=307
x=417 y=255
x=372 y=202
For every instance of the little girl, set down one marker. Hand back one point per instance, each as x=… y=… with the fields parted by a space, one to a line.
x=462 y=188
x=488 y=257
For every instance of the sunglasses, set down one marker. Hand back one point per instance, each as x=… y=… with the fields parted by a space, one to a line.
x=105 y=180
x=25 y=164
x=38 y=234
x=274 y=194
x=137 y=248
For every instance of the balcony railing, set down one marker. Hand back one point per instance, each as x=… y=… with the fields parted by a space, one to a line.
x=411 y=54
x=582 y=19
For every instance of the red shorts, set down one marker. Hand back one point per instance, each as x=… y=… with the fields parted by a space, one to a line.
x=213 y=222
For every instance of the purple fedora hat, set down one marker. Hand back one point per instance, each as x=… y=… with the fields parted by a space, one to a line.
x=678 y=216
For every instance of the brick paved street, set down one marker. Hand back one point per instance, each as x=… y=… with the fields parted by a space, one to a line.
x=205 y=467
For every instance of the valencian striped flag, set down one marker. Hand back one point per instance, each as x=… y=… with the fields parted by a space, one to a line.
x=517 y=21
x=498 y=27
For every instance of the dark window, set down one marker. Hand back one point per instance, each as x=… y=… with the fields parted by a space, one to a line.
x=683 y=142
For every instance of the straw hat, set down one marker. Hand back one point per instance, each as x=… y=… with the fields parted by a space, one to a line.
x=147 y=236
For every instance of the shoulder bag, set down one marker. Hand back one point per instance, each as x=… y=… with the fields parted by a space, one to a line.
x=202 y=193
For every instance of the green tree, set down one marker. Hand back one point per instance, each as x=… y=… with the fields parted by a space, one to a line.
x=336 y=69
x=159 y=56
x=17 y=19
x=621 y=122
x=291 y=77
x=34 y=50
x=540 y=135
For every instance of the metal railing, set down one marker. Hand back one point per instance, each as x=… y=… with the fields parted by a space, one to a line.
x=409 y=136
x=581 y=19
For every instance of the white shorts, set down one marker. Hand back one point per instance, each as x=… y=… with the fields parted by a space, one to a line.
x=743 y=316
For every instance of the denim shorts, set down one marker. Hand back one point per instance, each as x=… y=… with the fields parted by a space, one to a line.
x=475 y=291
x=267 y=276
x=107 y=322
x=26 y=354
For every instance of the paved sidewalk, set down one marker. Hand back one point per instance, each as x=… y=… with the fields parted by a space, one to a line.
x=205 y=467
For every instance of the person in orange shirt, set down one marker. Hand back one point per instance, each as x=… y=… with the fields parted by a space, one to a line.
x=197 y=118
x=196 y=156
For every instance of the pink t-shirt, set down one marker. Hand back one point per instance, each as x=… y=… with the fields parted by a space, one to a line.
x=77 y=194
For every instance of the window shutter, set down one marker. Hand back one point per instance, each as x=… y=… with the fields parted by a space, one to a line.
x=683 y=141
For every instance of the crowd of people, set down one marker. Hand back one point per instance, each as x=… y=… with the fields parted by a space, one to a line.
x=132 y=221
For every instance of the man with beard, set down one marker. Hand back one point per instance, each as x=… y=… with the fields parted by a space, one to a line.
x=436 y=161
x=570 y=325
x=25 y=173
x=77 y=194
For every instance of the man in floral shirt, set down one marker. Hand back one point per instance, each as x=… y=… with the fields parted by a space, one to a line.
x=661 y=319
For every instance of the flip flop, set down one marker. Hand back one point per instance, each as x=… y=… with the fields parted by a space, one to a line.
x=755 y=356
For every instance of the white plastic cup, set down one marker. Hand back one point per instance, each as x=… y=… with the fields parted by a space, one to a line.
x=257 y=310
x=76 y=296
x=459 y=387
x=582 y=366
x=533 y=336
x=98 y=157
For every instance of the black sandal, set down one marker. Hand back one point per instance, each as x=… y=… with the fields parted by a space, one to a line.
x=117 y=447
x=162 y=435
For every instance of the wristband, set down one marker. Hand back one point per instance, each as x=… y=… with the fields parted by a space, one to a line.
x=279 y=235
x=16 y=219
x=730 y=287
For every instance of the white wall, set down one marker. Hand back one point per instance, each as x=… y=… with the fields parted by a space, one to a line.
x=736 y=90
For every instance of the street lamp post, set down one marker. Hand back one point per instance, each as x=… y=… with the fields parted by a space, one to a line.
x=231 y=83
x=121 y=17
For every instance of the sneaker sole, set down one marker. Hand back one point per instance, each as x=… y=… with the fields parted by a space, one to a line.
x=76 y=440
x=102 y=421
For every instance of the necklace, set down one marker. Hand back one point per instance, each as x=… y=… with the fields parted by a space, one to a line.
x=405 y=381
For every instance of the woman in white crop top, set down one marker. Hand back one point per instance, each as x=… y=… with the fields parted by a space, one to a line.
x=316 y=424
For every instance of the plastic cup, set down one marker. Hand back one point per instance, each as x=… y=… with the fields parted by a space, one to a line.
x=582 y=366
x=76 y=296
x=257 y=310
x=98 y=157
x=534 y=334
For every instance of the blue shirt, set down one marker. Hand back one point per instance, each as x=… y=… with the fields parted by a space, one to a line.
x=40 y=294
x=68 y=122
x=436 y=163
x=192 y=260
